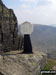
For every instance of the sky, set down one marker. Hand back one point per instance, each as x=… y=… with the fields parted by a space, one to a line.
x=34 y=11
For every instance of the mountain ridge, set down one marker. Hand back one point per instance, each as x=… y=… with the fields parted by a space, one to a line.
x=44 y=38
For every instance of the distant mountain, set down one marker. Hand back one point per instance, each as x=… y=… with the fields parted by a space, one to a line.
x=43 y=38
x=52 y=55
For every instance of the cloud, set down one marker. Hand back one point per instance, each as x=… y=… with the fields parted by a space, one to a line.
x=35 y=11
x=28 y=0
x=43 y=2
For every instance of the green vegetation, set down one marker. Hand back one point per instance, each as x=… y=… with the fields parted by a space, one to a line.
x=49 y=64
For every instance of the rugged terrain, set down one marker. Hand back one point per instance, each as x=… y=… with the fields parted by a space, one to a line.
x=9 y=39
x=22 y=64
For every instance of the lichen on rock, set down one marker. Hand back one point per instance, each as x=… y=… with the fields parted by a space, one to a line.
x=22 y=64
x=8 y=29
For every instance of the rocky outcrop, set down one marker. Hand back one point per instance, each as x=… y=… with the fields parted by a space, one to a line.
x=22 y=64
x=8 y=28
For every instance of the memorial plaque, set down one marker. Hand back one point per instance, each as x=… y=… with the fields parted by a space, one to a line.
x=26 y=28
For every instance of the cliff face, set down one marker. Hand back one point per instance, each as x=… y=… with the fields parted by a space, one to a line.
x=22 y=64
x=8 y=28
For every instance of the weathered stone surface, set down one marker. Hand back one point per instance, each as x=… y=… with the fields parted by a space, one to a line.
x=8 y=28
x=22 y=64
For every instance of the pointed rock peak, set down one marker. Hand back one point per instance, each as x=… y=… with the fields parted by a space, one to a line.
x=0 y=1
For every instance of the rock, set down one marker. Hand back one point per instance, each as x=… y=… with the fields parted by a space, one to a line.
x=8 y=29
x=54 y=68
x=22 y=64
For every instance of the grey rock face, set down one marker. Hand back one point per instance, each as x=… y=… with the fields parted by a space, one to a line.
x=22 y=64
x=8 y=28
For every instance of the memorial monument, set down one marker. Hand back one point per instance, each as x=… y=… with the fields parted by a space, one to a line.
x=27 y=29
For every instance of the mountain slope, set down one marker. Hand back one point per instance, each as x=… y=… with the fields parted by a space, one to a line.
x=44 y=38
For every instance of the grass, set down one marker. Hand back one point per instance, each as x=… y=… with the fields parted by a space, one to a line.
x=49 y=64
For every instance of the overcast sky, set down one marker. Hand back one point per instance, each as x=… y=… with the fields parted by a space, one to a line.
x=34 y=11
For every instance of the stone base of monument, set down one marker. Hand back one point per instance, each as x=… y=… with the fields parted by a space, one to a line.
x=22 y=64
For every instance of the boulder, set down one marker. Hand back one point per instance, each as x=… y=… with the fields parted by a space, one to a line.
x=8 y=29
x=22 y=64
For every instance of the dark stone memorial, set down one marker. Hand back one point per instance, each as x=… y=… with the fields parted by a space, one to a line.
x=27 y=44
x=27 y=29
